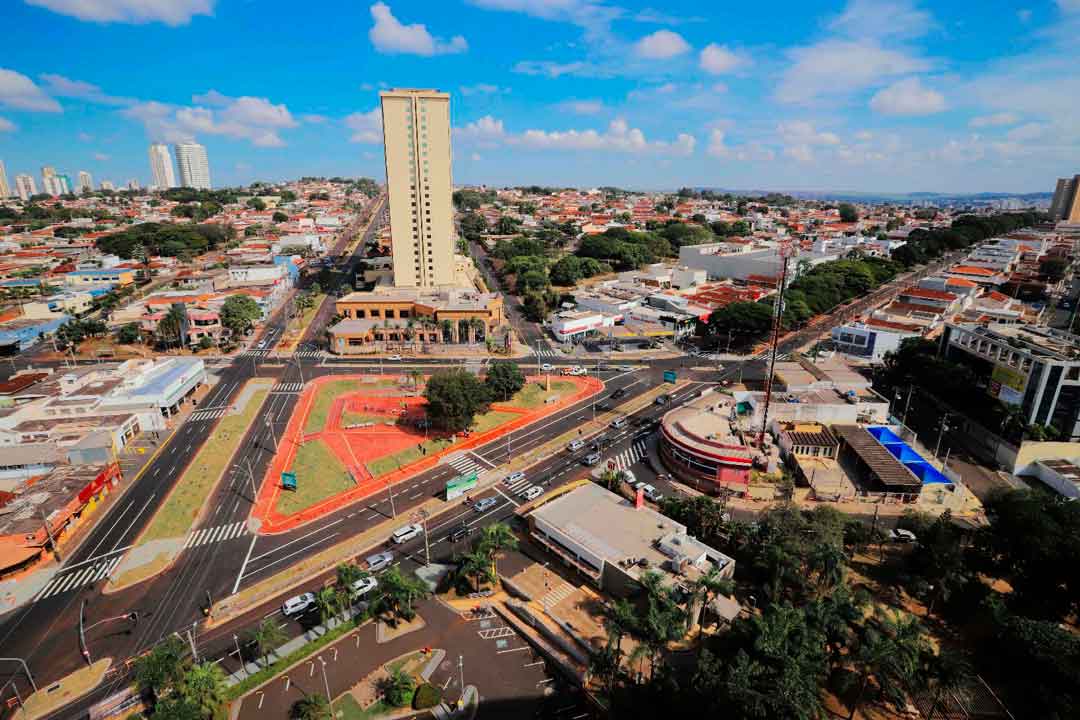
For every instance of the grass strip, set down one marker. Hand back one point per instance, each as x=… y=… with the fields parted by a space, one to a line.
x=176 y=515
x=319 y=475
x=389 y=463
x=533 y=395
x=324 y=398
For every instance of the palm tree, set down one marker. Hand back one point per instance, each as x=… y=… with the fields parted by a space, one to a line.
x=204 y=687
x=462 y=330
x=447 y=330
x=477 y=565
x=348 y=573
x=477 y=325
x=707 y=588
x=328 y=603
x=892 y=653
x=311 y=707
x=949 y=673
x=619 y=621
x=493 y=539
x=611 y=480
x=398 y=593
x=268 y=636
x=828 y=561
x=162 y=667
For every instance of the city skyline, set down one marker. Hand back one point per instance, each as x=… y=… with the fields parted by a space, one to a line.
x=862 y=95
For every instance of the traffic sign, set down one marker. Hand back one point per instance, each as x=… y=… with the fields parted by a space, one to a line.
x=460 y=485
x=670 y=376
x=288 y=480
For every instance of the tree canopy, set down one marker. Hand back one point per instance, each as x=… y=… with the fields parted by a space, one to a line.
x=239 y=313
x=454 y=398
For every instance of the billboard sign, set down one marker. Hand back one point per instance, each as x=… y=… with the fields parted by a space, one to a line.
x=460 y=485
x=670 y=376
x=1007 y=384
x=288 y=480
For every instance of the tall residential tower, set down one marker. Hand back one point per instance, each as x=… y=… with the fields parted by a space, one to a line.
x=25 y=186
x=86 y=182
x=1066 y=203
x=193 y=166
x=5 y=189
x=416 y=143
x=161 y=167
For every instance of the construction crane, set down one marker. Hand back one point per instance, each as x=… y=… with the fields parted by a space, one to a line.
x=786 y=250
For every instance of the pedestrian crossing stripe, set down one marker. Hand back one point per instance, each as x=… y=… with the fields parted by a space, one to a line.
x=557 y=594
x=519 y=486
x=79 y=577
x=288 y=387
x=210 y=414
x=630 y=456
x=495 y=633
x=218 y=533
x=548 y=353
x=309 y=353
x=465 y=464
x=255 y=353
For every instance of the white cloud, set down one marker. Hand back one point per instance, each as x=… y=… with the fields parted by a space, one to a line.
x=211 y=97
x=619 y=137
x=366 y=126
x=170 y=12
x=802 y=153
x=475 y=157
x=718 y=59
x=483 y=89
x=582 y=107
x=1068 y=6
x=85 y=136
x=658 y=17
x=907 y=97
x=61 y=86
x=881 y=19
x=314 y=118
x=800 y=132
x=594 y=16
x=389 y=35
x=717 y=146
x=19 y=92
x=1028 y=131
x=842 y=66
x=661 y=45
x=6 y=125
x=256 y=120
x=1000 y=119
x=485 y=132
x=553 y=69
x=101 y=157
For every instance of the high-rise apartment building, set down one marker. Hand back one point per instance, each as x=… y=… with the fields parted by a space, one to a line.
x=25 y=186
x=416 y=144
x=161 y=167
x=50 y=182
x=86 y=183
x=107 y=185
x=193 y=166
x=1065 y=206
x=133 y=184
x=5 y=189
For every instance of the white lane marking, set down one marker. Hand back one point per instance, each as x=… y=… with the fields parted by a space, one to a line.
x=239 y=575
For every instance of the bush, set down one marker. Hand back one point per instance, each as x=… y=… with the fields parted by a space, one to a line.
x=427 y=696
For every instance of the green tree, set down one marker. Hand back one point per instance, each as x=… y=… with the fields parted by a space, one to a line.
x=397 y=688
x=162 y=669
x=170 y=329
x=328 y=602
x=476 y=565
x=892 y=652
x=268 y=637
x=504 y=378
x=848 y=213
x=567 y=270
x=280 y=217
x=128 y=334
x=495 y=538
x=454 y=397
x=398 y=594
x=239 y=313
x=203 y=685
x=311 y=707
x=256 y=204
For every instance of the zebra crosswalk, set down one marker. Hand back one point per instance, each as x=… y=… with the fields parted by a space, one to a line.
x=294 y=387
x=547 y=353
x=207 y=414
x=218 y=533
x=630 y=456
x=557 y=594
x=310 y=354
x=518 y=486
x=255 y=353
x=79 y=577
x=465 y=464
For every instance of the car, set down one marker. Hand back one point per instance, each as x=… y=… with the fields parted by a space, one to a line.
x=603 y=367
x=532 y=493
x=260 y=345
x=395 y=358
x=407 y=533
x=514 y=477
x=652 y=493
x=578 y=370
x=663 y=399
x=460 y=533
x=575 y=445
x=547 y=367
x=379 y=561
x=363 y=586
x=619 y=392
x=627 y=368
x=592 y=459
x=298 y=604
x=603 y=406
x=618 y=423
x=485 y=504
x=900 y=535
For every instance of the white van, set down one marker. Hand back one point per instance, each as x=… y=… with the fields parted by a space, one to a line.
x=407 y=533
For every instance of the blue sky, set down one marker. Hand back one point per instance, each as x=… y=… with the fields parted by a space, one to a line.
x=867 y=95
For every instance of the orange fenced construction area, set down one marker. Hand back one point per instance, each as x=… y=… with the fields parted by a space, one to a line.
x=351 y=436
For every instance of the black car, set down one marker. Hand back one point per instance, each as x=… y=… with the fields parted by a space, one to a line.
x=663 y=399
x=618 y=393
x=460 y=533
x=603 y=406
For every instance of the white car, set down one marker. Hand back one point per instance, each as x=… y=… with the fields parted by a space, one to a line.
x=298 y=604
x=514 y=477
x=363 y=586
x=395 y=358
x=407 y=533
x=652 y=493
x=379 y=561
x=547 y=367
x=902 y=536
x=575 y=445
x=532 y=493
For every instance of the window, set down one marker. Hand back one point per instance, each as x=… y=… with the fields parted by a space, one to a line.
x=389 y=314
x=374 y=312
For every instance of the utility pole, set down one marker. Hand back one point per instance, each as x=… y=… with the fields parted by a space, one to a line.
x=461 y=670
x=941 y=431
x=273 y=436
x=390 y=487
x=326 y=683
x=422 y=516
x=48 y=533
x=251 y=479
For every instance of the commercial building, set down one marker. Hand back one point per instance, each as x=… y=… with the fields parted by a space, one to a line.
x=1065 y=206
x=746 y=262
x=161 y=167
x=1036 y=368
x=416 y=139
x=86 y=182
x=701 y=444
x=405 y=317
x=24 y=332
x=193 y=165
x=5 y=189
x=614 y=542
x=25 y=187
x=84 y=279
x=872 y=339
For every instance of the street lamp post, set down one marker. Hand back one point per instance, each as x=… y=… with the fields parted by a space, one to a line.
x=26 y=669
x=461 y=670
x=941 y=432
x=273 y=435
x=326 y=684
x=240 y=655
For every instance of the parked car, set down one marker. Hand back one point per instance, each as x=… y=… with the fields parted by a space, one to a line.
x=575 y=445
x=532 y=493
x=407 y=533
x=603 y=406
x=298 y=604
x=485 y=504
x=902 y=536
x=363 y=586
x=379 y=561
x=652 y=493
x=460 y=533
